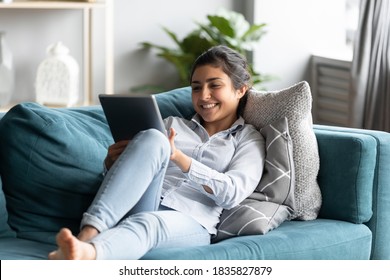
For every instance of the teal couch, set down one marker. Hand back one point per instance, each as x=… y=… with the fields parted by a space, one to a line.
x=51 y=165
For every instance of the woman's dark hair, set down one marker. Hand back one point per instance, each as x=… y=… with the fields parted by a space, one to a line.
x=232 y=63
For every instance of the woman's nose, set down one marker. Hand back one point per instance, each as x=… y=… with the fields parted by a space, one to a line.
x=205 y=94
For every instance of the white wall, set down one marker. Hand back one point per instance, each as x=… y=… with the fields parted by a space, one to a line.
x=142 y=20
x=296 y=29
x=29 y=32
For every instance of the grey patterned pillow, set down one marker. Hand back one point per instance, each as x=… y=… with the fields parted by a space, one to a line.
x=263 y=108
x=273 y=200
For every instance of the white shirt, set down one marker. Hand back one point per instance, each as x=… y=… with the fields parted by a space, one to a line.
x=229 y=162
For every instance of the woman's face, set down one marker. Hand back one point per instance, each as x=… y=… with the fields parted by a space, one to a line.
x=214 y=97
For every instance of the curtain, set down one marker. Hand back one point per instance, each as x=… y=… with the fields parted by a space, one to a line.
x=370 y=73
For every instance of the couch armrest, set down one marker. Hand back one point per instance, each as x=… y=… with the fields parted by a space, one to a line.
x=379 y=223
x=347 y=164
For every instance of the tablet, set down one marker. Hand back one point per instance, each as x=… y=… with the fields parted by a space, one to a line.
x=129 y=114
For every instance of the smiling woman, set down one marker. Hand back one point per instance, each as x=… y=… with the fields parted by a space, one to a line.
x=182 y=178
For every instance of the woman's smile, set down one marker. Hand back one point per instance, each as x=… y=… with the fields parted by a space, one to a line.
x=209 y=106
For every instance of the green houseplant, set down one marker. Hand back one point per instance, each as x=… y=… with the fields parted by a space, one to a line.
x=224 y=28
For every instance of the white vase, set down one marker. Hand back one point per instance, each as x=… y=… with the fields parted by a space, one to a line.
x=7 y=74
x=57 y=80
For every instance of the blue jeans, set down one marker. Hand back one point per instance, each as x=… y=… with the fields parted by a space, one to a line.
x=126 y=209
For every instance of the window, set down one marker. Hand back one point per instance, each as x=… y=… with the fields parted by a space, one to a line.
x=351 y=18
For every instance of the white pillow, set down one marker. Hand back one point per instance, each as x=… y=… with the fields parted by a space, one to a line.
x=263 y=108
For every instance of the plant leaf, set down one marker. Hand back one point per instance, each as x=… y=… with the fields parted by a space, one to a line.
x=195 y=44
x=222 y=25
x=224 y=28
x=213 y=35
x=147 y=45
x=182 y=62
x=254 y=33
x=236 y=20
x=172 y=36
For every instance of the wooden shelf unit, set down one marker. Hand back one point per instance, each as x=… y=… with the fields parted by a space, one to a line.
x=87 y=9
x=52 y=5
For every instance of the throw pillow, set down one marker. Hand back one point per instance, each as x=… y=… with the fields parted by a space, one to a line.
x=263 y=108
x=51 y=165
x=273 y=200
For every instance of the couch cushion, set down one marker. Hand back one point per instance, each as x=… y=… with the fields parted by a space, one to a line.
x=5 y=230
x=346 y=175
x=310 y=240
x=301 y=240
x=51 y=164
x=294 y=103
x=22 y=249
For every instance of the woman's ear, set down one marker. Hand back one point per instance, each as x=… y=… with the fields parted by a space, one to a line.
x=241 y=91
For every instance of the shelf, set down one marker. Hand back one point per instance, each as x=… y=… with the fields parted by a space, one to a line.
x=87 y=7
x=51 y=5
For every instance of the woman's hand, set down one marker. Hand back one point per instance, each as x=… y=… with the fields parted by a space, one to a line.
x=182 y=161
x=171 y=138
x=114 y=151
x=178 y=157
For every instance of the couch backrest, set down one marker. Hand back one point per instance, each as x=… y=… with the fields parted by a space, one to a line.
x=176 y=102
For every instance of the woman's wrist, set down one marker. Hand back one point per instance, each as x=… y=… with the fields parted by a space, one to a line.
x=182 y=161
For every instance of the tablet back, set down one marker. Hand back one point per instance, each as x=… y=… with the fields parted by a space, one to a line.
x=129 y=114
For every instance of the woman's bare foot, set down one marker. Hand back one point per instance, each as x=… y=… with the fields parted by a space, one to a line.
x=71 y=248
